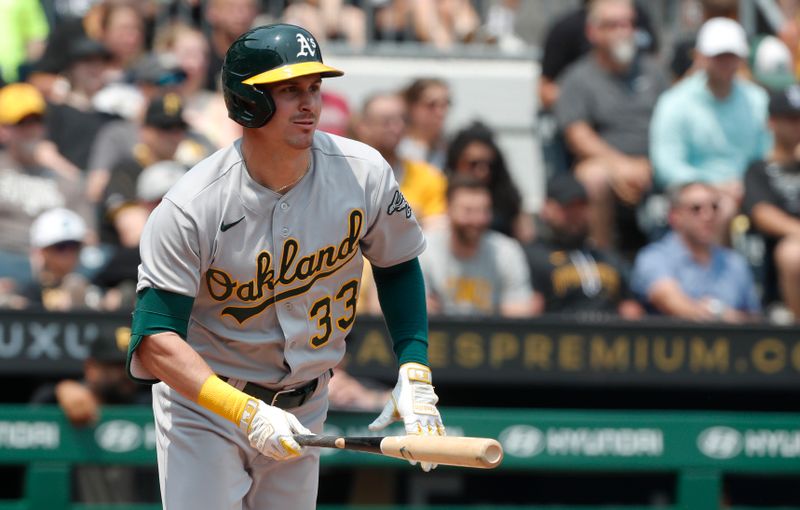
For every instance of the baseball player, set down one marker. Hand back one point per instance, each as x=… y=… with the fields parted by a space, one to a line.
x=250 y=270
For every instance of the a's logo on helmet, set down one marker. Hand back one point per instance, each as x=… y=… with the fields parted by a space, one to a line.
x=308 y=46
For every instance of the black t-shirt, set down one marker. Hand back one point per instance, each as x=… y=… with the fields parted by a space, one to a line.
x=773 y=183
x=779 y=185
x=122 y=266
x=577 y=280
x=73 y=131
x=566 y=40
x=121 y=189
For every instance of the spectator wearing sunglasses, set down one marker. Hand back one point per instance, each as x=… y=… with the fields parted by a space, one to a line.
x=687 y=274
x=711 y=125
x=56 y=239
x=473 y=151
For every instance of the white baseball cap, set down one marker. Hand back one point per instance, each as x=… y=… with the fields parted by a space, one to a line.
x=722 y=35
x=56 y=226
x=772 y=63
x=155 y=180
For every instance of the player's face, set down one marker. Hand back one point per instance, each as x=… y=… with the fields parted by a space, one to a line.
x=470 y=212
x=697 y=216
x=298 y=103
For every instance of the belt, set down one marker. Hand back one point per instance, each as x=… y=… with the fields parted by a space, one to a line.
x=285 y=399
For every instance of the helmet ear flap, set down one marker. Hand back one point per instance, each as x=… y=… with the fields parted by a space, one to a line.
x=248 y=106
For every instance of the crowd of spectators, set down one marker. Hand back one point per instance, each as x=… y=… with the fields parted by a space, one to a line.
x=686 y=168
x=109 y=103
x=673 y=173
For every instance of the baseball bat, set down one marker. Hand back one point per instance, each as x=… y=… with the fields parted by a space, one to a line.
x=474 y=452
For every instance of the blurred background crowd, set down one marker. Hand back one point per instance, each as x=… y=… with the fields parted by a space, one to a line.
x=669 y=147
x=671 y=183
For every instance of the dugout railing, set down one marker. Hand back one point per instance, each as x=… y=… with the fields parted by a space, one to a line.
x=699 y=448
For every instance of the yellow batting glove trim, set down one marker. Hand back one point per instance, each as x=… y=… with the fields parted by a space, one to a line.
x=285 y=443
x=223 y=399
x=417 y=372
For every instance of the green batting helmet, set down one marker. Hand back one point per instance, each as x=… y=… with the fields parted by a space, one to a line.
x=263 y=55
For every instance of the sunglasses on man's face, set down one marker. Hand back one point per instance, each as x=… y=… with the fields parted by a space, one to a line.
x=65 y=246
x=700 y=207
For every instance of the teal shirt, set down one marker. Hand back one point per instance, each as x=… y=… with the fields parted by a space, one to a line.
x=696 y=137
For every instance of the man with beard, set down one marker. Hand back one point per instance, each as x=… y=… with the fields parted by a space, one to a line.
x=604 y=108
x=568 y=273
x=772 y=200
x=687 y=274
x=470 y=270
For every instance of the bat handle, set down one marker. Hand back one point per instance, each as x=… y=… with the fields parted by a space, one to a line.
x=319 y=441
x=360 y=444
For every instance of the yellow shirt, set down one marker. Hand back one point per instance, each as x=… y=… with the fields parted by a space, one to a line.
x=424 y=187
x=425 y=190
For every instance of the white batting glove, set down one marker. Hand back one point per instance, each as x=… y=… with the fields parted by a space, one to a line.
x=269 y=430
x=414 y=401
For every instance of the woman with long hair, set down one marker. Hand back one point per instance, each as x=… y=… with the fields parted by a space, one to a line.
x=474 y=151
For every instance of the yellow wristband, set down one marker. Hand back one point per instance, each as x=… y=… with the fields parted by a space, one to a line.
x=220 y=397
x=417 y=372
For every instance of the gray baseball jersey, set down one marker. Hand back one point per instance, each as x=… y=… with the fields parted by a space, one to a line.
x=276 y=277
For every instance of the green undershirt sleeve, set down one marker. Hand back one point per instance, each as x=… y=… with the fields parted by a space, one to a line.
x=401 y=292
x=157 y=311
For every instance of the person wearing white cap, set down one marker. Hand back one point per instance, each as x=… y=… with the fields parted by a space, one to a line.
x=56 y=239
x=712 y=124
